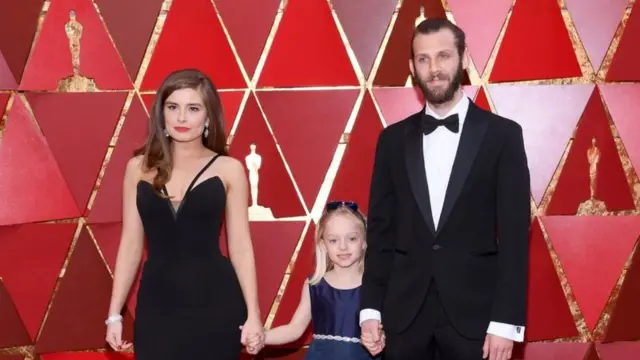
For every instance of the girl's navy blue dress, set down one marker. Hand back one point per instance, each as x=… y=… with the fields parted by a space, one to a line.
x=336 y=329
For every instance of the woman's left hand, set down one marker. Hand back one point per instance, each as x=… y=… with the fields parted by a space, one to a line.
x=252 y=336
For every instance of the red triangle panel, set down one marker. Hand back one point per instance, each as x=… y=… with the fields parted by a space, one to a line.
x=107 y=206
x=18 y=23
x=548 y=53
x=302 y=270
x=622 y=102
x=276 y=190
x=272 y=257
x=108 y=238
x=308 y=130
x=352 y=181
x=231 y=101
x=592 y=353
x=130 y=24
x=37 y=190
x=80 y=157
x=550 y=351
x=12 y=357
x=7 y=81
x=4 y=100
x=619 y=350
x=76 y=318
x=548 y=314
x=295 y=61
x=481 y=31
x=365 y=24
x=548 y=115
x=596 y=22
x=625 y=60
x=396 y=104
x=193 y=31
x=31 y=257
x=12 y=331
x=482 y=100
x=590 y=259
x=394 y=65
x=111 y=355
x=51 y=58
x=625 y=316
x=573 y=185
x=236 y=14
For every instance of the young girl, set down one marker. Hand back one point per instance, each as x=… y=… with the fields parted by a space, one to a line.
x=331 y=298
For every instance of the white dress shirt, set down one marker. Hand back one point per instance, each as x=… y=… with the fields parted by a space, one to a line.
x=440 y=149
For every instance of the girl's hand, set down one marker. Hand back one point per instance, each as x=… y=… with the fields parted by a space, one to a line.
x=252 y=336
x=114 y=337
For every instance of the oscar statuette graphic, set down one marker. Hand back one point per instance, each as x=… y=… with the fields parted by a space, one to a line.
x=253 y=161
x=75 y=82
x=593 y=206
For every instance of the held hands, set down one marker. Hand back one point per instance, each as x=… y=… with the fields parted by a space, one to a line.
x=252 y=336
x=373 y=337
x=496 y=348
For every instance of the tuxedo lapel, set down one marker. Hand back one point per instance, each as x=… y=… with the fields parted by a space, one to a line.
x=414 y=156
x=473 y=130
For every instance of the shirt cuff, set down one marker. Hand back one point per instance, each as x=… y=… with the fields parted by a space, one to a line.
x=507 y=331
x=369 y=314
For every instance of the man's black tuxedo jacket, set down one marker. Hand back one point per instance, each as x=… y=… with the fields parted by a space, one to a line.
x=478 y=255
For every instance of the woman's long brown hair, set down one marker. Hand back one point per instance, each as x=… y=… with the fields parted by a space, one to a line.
x=157 y=149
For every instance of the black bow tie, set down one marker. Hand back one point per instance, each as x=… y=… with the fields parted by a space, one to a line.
x=429 y=124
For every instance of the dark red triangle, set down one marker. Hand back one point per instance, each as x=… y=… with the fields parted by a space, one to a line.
x=50 y=60
x=550 y=351
x=31 y=256
x=482 y=100
x=236 y=14
x=107 y=206
x=30 y=172
x=301 y=271
x=130 y=24
x=396 y=104
x=365 y=24
x=591 y=261
x=80 y=157
x=272 y=257
x=625 y=316
x=592 y=353
x=548 y=115
x=619 y=350
x=596 y=39
x=276 y=190
x=549 y=52
x=394 y=66
x=352 y=181
x=12 y=357
x=18 y=23
x=573 y=186
x=295 y=61
x=625 y=60
x=231 y=101
x=308 y=125
x=481 y=31
x=4 y=100
x=193 y=31
x=7 y=81
x=76 y=318
x=548 y=314
x=622 y=102
x=108 y=238
x=12 y=331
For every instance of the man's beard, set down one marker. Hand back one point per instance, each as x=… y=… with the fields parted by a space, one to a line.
x=441 y=97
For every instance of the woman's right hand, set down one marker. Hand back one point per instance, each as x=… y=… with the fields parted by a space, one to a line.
x=114 y=337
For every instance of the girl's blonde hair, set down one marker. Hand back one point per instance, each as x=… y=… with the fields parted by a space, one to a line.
x=323 y=263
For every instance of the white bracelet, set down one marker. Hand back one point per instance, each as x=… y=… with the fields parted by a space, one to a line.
x=113 y=318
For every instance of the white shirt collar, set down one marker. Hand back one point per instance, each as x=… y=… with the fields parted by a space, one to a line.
x=460 y=108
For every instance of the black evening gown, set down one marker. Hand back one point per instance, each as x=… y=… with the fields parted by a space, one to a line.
x=190 y=304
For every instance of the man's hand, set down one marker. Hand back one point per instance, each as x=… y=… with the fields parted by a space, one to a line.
x=372 y=336
x=497 y=348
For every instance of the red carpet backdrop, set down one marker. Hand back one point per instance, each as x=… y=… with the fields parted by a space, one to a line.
x=311 y=83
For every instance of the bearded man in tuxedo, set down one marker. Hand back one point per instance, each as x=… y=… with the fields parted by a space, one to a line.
x=448 y=224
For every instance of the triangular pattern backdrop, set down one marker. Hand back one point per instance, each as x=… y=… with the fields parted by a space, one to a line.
x=311 y=83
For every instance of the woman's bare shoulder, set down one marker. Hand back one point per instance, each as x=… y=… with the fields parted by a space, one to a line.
x=136 y=169
x=231 y=169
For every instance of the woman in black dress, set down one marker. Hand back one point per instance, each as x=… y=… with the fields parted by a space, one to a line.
x=193 y=303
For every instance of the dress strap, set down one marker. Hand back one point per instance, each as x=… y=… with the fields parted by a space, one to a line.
x=195 y=179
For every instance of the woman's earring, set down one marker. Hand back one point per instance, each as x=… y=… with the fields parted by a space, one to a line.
x=206 y=130
x=166 y=132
